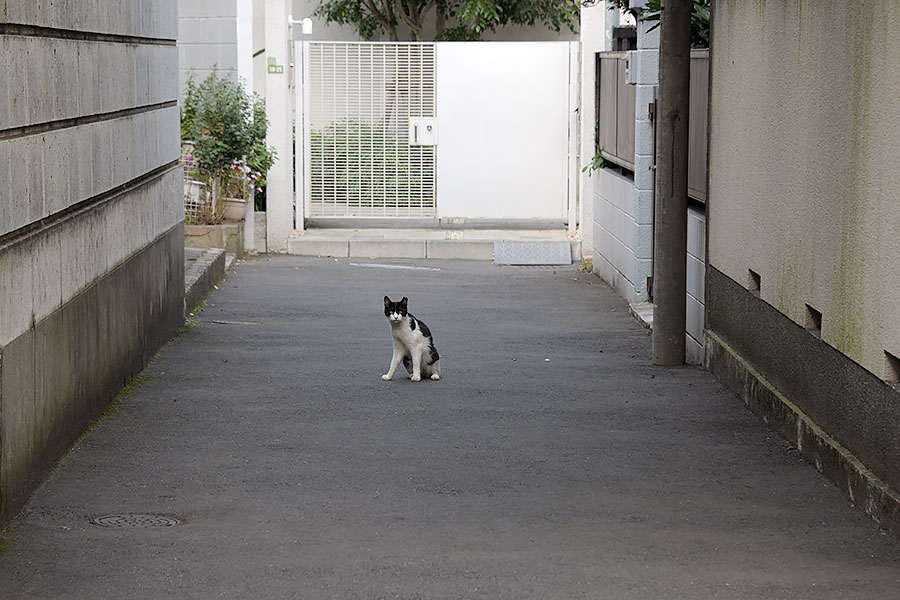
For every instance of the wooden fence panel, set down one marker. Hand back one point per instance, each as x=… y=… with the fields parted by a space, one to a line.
x=608 y=103
x=624 y=117
x=616 y=114
x=697 y=124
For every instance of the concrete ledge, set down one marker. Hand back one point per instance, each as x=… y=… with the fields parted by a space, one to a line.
x=830 y=458
x=853 y=405
x=387 y=249
x=475 y=244
x=461 y=249
x=204 y=268
x=642 y=313
x=444 y=223
x=228 y=236
x=317 y=247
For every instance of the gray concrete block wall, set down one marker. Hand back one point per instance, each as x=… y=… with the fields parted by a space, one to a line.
x=91 y=212
x=61 y=374
x=138 y=18
x=696 y=285
x=67 y=166
x=207 y=39
x=98 y=77
x=40 y=273
x=618 y=241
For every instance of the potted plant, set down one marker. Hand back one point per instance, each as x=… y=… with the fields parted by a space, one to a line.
x=225 y=131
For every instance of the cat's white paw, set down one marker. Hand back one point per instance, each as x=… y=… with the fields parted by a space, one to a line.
x=435 y=377
x=386 y=377
x=416 y=377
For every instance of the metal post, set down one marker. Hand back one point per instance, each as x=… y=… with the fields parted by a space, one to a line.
x=670 y=227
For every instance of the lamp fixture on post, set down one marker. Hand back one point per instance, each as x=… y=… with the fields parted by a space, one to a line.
x=305 y=24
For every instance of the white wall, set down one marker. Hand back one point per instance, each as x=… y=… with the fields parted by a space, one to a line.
x=596 y=36
x=503 y=113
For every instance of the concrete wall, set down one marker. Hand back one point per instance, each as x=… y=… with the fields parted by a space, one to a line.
x=696 y=285
x=596 y=36
x=91 y=246
x=207 y=38
x=614 y=228
x=809 y=202
x=645 y=62
x=623 y=206
x=621 y=218
x=803 y=192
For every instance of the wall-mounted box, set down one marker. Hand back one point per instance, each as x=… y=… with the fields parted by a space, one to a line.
x=423 y=131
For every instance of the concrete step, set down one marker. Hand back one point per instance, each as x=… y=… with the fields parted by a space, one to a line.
x=203 y=268
x=418 y=243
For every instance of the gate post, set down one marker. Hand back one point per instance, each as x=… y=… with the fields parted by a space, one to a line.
x=301 y=136
x=279 y=188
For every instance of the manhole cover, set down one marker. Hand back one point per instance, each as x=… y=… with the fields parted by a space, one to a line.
x=135 y=521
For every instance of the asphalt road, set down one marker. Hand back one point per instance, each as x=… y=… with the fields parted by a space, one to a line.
x=551 y=460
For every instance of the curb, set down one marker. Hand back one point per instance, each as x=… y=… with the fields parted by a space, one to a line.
x=204 y=267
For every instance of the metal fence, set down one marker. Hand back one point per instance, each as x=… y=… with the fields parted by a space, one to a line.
x=200 y=207
x=361 y=97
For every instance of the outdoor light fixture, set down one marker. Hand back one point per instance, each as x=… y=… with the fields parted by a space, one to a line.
x=305 y=24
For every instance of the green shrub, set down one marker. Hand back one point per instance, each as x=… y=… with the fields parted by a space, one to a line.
x=365 y=165
x=227 y=129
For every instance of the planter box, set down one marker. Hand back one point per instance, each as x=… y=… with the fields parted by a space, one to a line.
x=229 y=236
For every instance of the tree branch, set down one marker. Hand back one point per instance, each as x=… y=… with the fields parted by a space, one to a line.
x=385 y=22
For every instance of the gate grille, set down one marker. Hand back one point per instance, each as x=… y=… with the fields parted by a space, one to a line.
x=361 y=97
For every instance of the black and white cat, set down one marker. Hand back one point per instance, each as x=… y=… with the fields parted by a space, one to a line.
x=413 y=345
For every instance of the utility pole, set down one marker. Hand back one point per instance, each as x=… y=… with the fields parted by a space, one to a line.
x=670 y=227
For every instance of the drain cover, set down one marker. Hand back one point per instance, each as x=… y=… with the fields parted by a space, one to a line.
x=135 y=521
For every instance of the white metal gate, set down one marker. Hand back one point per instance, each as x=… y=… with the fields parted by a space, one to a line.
x=358 y=101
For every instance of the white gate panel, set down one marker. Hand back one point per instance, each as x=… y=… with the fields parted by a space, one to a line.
x=504 y=110
x=359 y=99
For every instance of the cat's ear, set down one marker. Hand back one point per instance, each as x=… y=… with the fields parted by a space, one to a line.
x=404 y=302
x=387 y=301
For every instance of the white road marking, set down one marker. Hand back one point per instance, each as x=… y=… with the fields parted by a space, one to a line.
x=378 y=266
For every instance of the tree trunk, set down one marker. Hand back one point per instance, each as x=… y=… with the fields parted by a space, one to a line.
x=440 y=22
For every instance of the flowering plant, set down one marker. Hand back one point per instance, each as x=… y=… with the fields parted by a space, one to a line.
x=228 y=131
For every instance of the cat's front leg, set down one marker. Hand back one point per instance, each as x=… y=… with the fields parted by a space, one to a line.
x=396 y=359
x=416 y=374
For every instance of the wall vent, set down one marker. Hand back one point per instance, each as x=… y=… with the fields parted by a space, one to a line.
x=753 y=282
x=891 y=368
x=813 y=322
